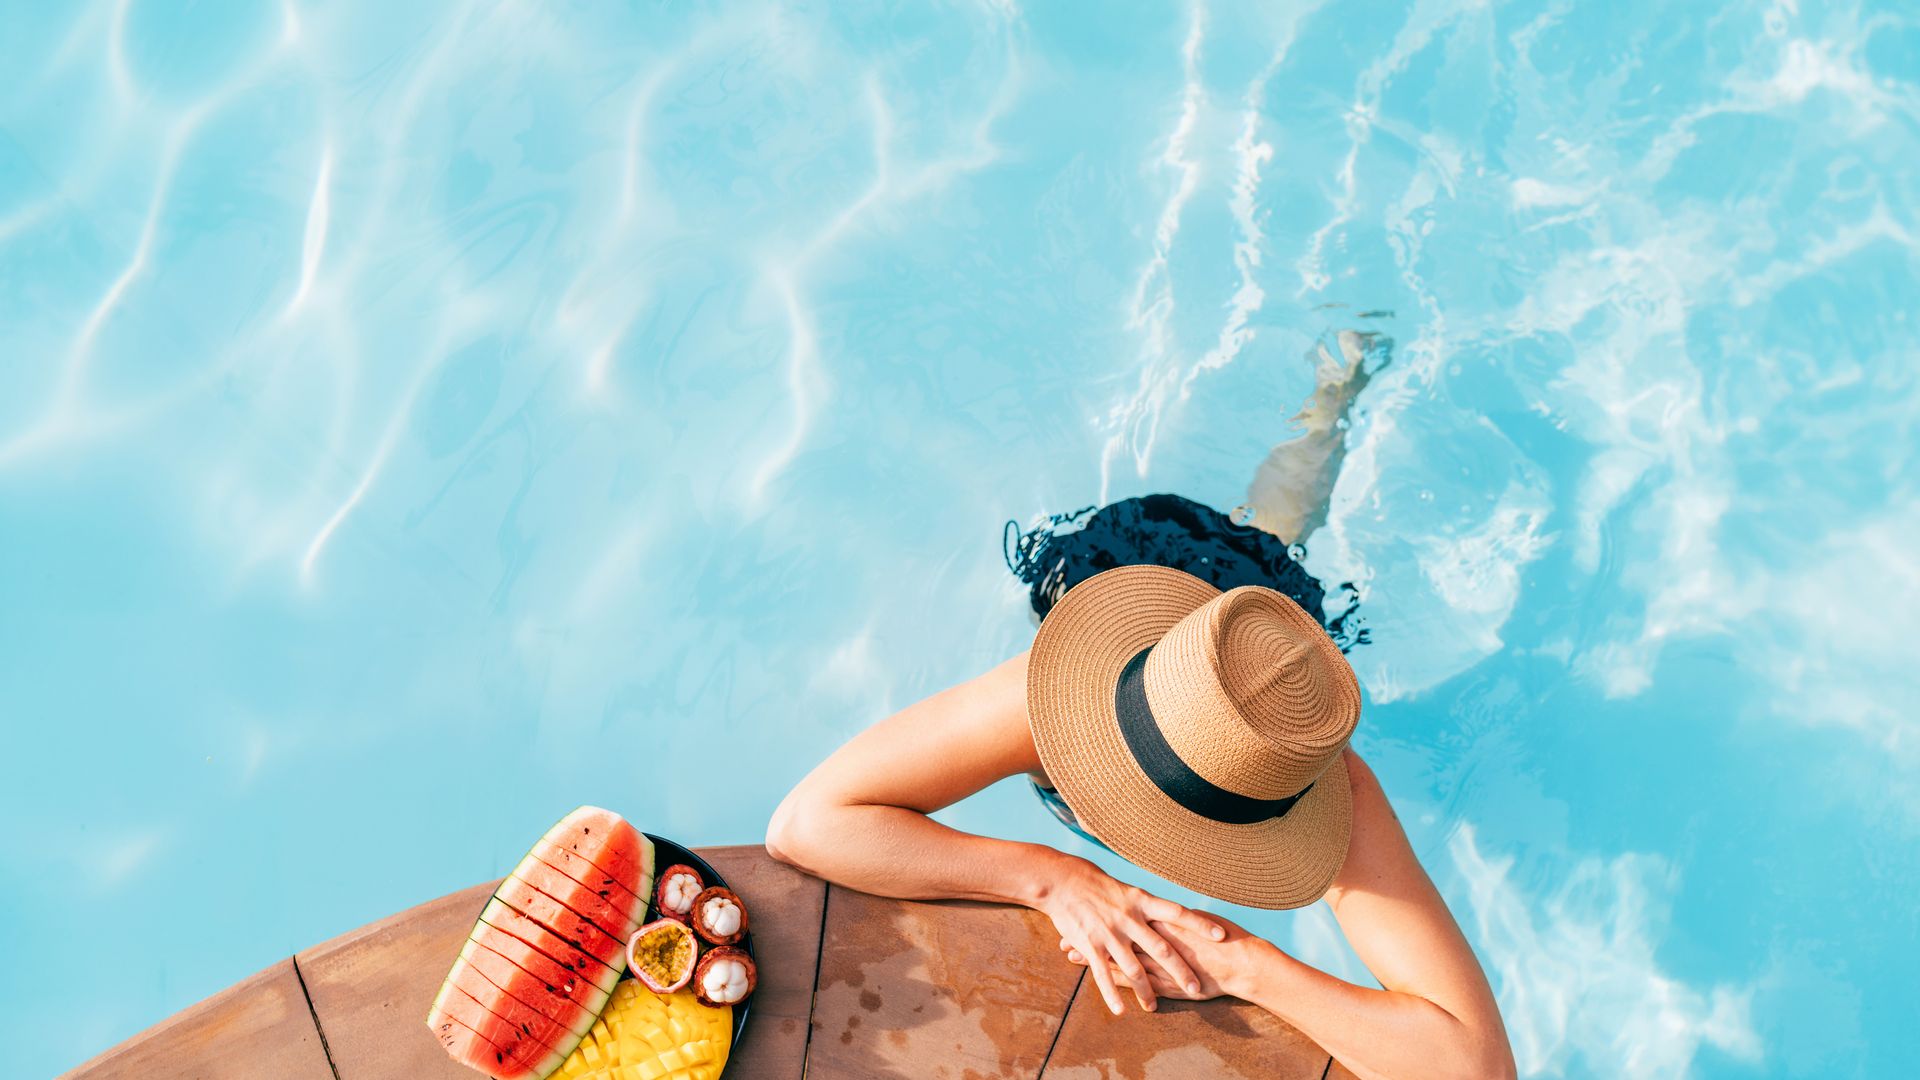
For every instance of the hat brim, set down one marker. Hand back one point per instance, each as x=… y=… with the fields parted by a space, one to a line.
x=1083 y=644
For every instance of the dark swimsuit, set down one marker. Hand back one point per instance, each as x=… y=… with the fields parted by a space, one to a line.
x=1160 y=530
x=1056 y=805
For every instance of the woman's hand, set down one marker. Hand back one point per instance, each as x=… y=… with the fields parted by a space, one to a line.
x=1212 y=960
x=1119 y=924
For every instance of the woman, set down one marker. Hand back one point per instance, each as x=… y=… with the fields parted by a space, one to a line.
x=1197 y=725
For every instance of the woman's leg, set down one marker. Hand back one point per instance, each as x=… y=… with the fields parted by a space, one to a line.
x=1291 y=488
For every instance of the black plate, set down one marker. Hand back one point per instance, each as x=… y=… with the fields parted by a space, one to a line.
x=666 y=853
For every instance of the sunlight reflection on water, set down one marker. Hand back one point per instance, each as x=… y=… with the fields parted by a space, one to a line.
x=446 y=413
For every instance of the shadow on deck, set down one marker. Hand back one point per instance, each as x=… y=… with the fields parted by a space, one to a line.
x=851 y=986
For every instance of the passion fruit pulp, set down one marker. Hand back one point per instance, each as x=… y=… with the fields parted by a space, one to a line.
x=661 y=954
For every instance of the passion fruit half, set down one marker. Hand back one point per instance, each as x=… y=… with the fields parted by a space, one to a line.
x=678 y=887
x=661 y=954
x=726 y=976
x=719 y=916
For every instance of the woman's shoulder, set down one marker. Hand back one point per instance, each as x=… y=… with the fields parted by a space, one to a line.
x=1371 y=807
x=1377 y=848
x=1360 y=774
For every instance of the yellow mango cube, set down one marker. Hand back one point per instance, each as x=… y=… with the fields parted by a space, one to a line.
x=643 y=1036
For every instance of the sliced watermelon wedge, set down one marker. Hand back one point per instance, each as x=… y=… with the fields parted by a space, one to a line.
x=606 y=840
x=524 y=1018
x=483 y=1041
x=499 y=957
x=462 y=1043
x=509 y=923
x=616 y=921
x=563 y=922
x=518 y=988
x=575 y=866
x=540 y=963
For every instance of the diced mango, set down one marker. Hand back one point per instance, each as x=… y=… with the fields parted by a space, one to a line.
x=643 y=1036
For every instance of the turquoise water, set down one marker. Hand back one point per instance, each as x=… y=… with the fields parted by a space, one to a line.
x=416 y=420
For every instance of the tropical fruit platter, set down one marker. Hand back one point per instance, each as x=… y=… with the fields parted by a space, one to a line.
x=607 y=954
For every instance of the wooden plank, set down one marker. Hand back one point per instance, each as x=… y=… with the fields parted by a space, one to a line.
x=783 y=906
x=258 y=1027
x=947 y=990
x=1337 y=1071
x=904 y=990
x=371 y=989
x=1223 y=1039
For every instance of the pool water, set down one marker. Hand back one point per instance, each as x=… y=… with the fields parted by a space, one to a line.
x=417 y=420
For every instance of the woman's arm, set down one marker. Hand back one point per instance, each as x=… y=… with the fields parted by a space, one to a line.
x=860 y=819
x=1436 y=1016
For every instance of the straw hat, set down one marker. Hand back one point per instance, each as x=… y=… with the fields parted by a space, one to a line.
x=1198 y=733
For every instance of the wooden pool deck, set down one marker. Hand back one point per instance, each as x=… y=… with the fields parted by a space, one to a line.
x=851 y=986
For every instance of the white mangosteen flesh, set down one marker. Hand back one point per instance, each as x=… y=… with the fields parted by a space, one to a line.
x=680 y=891
x=725 y=981
x=721 y=917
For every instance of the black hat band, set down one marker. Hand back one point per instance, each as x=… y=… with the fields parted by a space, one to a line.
x=1170 y=774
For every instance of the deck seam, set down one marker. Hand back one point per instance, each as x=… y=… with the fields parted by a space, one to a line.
x=1326 y=1068
x=325 y=1050
x=813 y=996
x=1062 y=1027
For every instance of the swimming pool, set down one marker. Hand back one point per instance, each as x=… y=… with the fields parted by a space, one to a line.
x=416 y=420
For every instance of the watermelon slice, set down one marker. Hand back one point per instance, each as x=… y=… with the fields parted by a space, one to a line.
x=616 y=921
x=537 y=970
x=522 y=1017
x=498 y=952
x=609 y=843
x=575 y=866
x=480 y=1040
x=509 y=923
x=553 y=1005
x=462 y=1043
x=563 y=922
